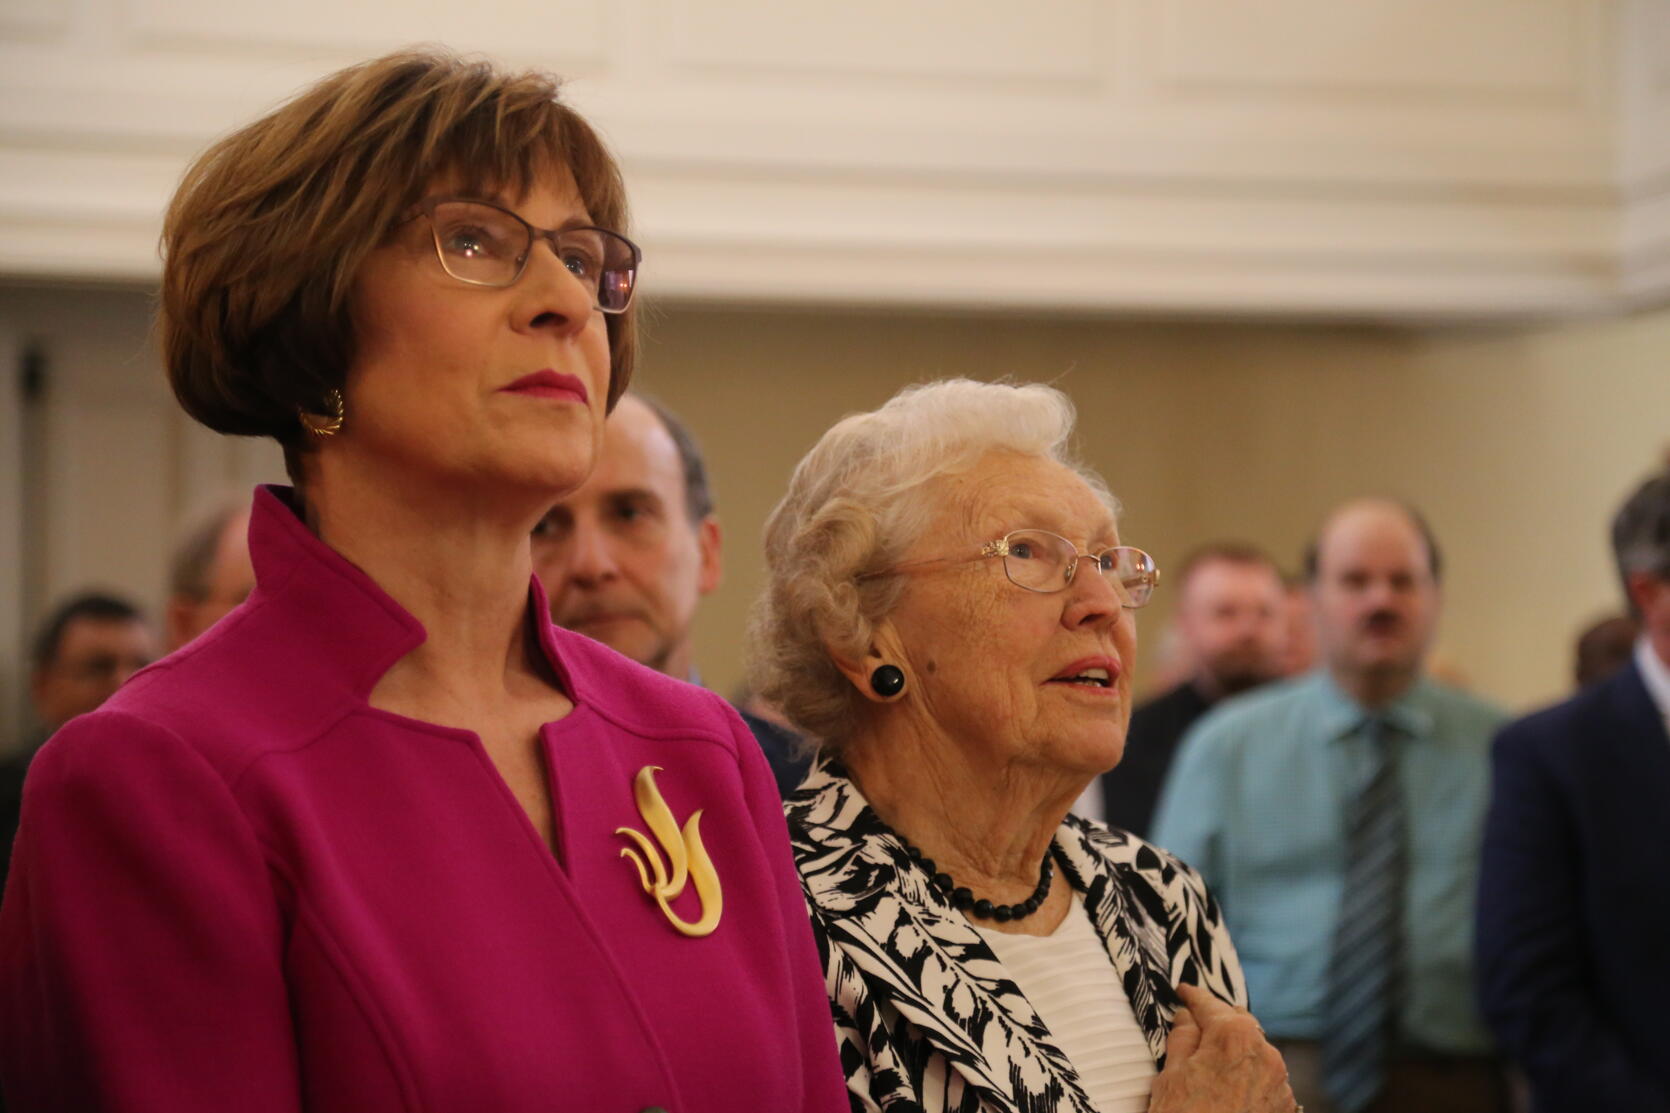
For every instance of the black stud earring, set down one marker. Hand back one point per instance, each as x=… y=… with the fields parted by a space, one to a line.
x=887 y=681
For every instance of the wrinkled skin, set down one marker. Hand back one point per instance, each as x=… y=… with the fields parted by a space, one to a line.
x=1218 y=1061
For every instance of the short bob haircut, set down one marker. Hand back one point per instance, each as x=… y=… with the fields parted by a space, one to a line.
x=269 y=226
x=856 y=504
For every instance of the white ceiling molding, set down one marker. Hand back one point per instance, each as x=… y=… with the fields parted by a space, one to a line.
x=1644 y=153
x=1393 y=159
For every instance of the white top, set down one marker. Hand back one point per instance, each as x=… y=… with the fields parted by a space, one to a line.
x=1072 y=985
x=1089 y=803
x=1655 y=675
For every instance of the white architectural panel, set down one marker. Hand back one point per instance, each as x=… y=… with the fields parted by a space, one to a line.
x=560 y=30
x=1415 y=49
x=1644 y=149
x=1381 y=157
x=43 y=19
x=922 y=40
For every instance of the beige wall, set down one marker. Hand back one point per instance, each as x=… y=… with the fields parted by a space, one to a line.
x=1517 y=444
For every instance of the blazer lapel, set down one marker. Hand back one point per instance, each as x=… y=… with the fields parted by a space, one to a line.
x=1630 y=733
x=1637 y=712
x=920 y=955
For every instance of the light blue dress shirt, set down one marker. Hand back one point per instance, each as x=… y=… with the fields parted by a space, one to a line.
x=1256 y=801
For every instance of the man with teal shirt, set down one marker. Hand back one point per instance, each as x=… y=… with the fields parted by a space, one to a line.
x=1337 y=817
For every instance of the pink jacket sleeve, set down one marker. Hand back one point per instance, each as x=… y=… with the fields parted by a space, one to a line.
x=813 y=1023
x=141 y=944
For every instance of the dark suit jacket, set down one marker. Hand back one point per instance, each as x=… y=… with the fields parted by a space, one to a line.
x=789 y=760
x=1131 y=789
x=1574 y=901
x=12 y=770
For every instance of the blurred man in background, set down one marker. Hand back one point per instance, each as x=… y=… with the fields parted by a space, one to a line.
x=1574 y=892
x=1230 y=622
x=1299 y=655
x=626 y=558
x=210 y=572
x=1337 y=818
x=83 y=651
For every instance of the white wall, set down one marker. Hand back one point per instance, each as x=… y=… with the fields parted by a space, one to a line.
x=121 y=469
x=1382 y=159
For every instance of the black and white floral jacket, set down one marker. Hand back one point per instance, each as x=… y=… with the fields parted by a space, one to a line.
x=925 y=1014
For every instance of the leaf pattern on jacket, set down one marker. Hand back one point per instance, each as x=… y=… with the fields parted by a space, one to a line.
x=927 y=1018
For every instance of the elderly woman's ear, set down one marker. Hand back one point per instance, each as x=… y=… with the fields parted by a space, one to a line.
x=879 y=675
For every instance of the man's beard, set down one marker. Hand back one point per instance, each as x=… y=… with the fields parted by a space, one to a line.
x=1236 y=681
x=1241 y=670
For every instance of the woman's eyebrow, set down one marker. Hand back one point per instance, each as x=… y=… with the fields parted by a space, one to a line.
x=581 y=219
x=1046 y=517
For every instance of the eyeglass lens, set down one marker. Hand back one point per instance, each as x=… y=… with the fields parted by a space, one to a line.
x=488 y=246
x=1038 y=561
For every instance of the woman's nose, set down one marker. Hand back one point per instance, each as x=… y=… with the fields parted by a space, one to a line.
x=556 y=297
x=1092 y=597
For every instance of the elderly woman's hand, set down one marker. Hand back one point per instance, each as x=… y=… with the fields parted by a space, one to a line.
x=1217 y=1061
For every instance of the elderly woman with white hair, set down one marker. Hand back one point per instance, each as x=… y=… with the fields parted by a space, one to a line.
x=949 y=615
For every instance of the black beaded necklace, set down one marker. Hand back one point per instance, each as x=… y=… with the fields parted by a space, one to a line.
x=962 y=898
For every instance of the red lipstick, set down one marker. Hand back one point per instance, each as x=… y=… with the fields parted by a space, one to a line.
x=549 y=384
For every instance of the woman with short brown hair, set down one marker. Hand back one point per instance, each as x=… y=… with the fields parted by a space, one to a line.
x=384 y=838
x=270 y=226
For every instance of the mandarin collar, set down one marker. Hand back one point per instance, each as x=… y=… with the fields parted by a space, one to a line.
x=344 y=631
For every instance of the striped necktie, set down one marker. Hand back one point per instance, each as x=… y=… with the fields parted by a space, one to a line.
x=1363 y=972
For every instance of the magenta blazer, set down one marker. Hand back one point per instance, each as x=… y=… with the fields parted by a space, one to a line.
x=238 y=886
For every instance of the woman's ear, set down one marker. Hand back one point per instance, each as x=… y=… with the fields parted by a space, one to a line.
x=880 y=674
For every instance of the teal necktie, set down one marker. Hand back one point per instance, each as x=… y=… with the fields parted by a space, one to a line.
x=1364 y=969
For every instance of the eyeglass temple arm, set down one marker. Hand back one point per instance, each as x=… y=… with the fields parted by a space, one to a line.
x=912 y=565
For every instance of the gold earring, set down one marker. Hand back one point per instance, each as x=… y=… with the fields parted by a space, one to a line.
x=325 y=424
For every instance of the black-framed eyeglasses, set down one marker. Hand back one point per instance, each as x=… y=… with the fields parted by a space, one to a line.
x=488 y=245
x=1045 y=562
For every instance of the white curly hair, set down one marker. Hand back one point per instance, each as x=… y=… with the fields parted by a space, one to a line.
x=856 y=504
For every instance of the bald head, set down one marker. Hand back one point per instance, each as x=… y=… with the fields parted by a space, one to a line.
x=211 y=573
x=1373 y=571
x=1434 y=557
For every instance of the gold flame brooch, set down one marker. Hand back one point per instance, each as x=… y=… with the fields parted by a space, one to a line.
x=685 y=854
